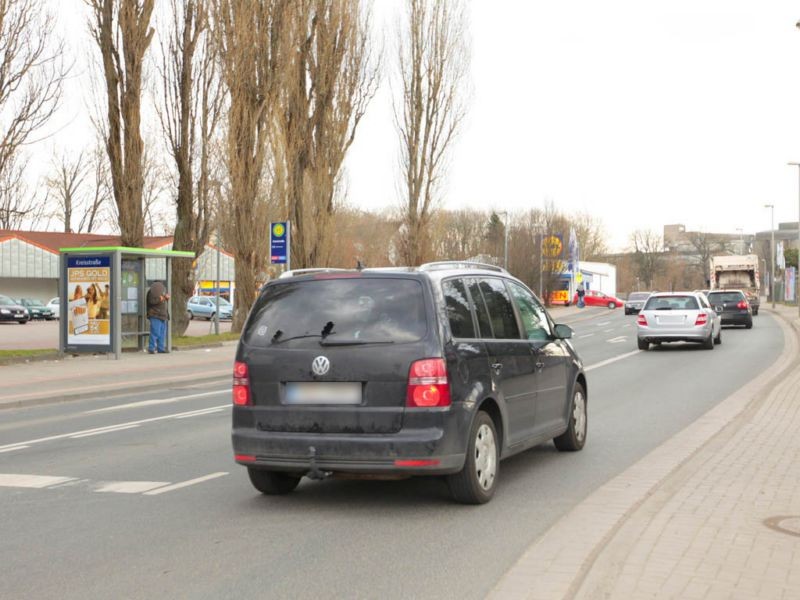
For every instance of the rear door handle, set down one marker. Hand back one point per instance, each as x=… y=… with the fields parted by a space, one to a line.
x=539 y=365
x=497 y=367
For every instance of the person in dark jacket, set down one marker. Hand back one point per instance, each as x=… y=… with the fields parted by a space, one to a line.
x=158 y=315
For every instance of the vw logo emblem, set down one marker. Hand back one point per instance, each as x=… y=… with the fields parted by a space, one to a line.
x=320 y=365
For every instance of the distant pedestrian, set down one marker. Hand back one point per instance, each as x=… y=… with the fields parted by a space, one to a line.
x=581 y=294
x=158 y=315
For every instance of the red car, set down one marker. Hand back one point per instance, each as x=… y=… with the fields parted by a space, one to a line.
x=594 y=298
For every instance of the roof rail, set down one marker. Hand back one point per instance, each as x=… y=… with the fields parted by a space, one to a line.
x=460 y=264
x=296 y=272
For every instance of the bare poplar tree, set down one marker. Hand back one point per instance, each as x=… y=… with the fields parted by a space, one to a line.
x=32 y=72
x=248 y=34
x=330 y=77
x=18 y=206
x=122 y=31
x=433 y=59
x=189 y=114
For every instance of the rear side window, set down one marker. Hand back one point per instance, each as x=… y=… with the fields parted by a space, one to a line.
x=718 y=297
x=672 y=303
x=459 y=314
x=481 y=313
x=501 y=311
x=349 y=310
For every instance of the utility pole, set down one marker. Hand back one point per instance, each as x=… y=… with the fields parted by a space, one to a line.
x=772 y=251
x=216 y=310
x=505 y=238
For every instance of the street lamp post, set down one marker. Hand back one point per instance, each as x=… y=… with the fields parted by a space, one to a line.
x=771 y=207
x=797 y=270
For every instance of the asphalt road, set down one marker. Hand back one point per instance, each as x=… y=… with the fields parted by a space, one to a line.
x=110 y=527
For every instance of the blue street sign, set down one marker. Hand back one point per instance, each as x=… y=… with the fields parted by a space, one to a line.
x=279 y=243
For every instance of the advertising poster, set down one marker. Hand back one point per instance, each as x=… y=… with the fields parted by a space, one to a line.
x=790 y=281
x=89 y=296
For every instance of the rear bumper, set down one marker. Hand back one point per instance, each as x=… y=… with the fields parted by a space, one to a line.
x=682 y=334
x=742 y=318
x=443 y=443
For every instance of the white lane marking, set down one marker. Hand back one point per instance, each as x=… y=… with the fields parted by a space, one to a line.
x=586 y=335
x=627 y=325
x=30 y=481
x=607 y=330
x=129 y=487
x=617 y=340
x=197 y=413
x=604 y=323
x=13 y=448
x=183 y=484
x=611 y=360
x=154 y=402
x=102 y=431
x=74 y=433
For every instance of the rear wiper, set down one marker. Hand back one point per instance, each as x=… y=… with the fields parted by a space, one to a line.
x=326 y=331
x=353 y=342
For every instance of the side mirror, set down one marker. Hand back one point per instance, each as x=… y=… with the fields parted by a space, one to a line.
x=562 y=332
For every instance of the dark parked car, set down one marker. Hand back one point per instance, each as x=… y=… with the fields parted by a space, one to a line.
x=635 y=302
x=11 y=310
x=37 y=309
x=732 y=306
x=443 y=369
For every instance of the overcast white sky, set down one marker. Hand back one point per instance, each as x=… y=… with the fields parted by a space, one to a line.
x=640 y=112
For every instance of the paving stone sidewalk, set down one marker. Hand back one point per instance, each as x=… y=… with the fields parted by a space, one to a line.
x=712 y=513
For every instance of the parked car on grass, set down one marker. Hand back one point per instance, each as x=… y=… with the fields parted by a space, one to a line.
x=595 y=298
x=37 y=309
x=443 y=369
x=205 y=307
x=635 y=302
x=11 y=310
x=732 y=307
x=678 y=317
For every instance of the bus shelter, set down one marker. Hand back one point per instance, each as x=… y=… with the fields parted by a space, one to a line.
x=103 y=295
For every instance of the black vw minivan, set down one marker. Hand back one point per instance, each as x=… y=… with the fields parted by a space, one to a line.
x=442 y=369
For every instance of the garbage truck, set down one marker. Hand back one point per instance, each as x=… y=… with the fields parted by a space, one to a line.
x=737 y=273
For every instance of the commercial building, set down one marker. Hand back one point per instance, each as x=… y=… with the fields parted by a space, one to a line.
x=29 y=262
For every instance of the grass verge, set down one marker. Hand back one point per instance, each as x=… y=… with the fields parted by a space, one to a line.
x=199 y=340
x=26 y=353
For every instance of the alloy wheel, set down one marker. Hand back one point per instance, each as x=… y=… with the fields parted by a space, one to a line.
x=485 y=457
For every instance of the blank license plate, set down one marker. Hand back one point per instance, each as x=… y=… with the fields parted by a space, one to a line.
x=323 y=393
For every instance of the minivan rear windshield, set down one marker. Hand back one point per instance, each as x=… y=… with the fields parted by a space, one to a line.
x=672 y=303
x=348 y=311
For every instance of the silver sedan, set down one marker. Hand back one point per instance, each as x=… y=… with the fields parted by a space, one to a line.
x=678 y=317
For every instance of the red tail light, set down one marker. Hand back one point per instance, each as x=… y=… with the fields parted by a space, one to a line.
x=427 y=384
x=241 y=384
x=641 y=320
x=741 y=304
x=702 y=319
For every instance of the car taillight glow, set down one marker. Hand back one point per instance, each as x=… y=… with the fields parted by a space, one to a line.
x=245 y=457
x=427 y=384
x=641 y=320
x=702 y=319
x=741 y=304
x=241 y=384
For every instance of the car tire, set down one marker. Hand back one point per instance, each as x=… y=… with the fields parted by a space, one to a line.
x=612 y=305
x=718 y=339
x=190 y=314
x=708 y=344
x=211 y=318
x=272 y=483
x=477 y=481
x=642 y=344
x=23 y=322
x=749 y=324
x=574 y=438
x=627 y=312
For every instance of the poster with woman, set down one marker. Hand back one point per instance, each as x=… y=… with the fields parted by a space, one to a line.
x=89 y=295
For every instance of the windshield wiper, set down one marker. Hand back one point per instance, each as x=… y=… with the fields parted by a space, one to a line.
x=326 y=331
x=353 y=342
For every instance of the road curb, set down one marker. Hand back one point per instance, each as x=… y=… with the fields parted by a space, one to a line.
x=557 y=564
